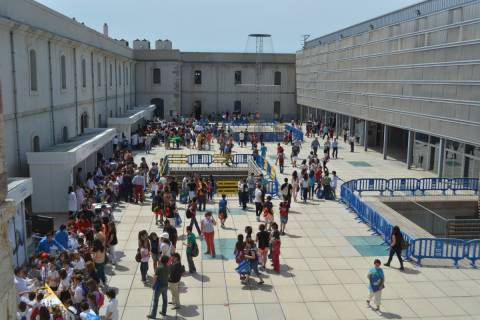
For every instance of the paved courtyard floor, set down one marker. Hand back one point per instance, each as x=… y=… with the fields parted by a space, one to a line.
x=324 y=260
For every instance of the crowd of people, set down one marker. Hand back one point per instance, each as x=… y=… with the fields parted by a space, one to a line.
x=71 y=261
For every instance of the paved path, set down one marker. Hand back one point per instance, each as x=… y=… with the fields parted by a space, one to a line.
x=324 y=260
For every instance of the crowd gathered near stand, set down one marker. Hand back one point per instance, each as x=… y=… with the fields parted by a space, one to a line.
x=66 y=278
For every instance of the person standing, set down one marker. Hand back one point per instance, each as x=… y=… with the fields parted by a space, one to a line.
x=351 y=140
x=139 y=183
x=72 y=202
x=144 y=259
x=335 y=149
x=276 y=251
x=281 y=161
x=208 y=230
x=160 y=287
x=176 y=271
x=263 y=241
x=192 y=248
x=376 y=284
x=396 y=244
x=258 y=201
x=192 y=207
x=315 y=144
x=251 y=187
x=222 y=210
x=334 y=184
x=99 y=254
x=295 y=185
x=263 y=150
x=112 y=307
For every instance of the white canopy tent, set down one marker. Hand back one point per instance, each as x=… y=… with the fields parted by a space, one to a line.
x=53 y=169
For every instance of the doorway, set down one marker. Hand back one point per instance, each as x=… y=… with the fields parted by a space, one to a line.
x=83 y=122
x=197 y=109
x=159 y=108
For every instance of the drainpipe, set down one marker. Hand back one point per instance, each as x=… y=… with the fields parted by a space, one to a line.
x=50 y=80
x=93 y=91
x=106 y=88
x=75 y=88
x=15 y=103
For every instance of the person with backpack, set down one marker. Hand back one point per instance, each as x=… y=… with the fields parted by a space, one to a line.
x=144 y=259
x=192 y=250
x=397 y=243
x=376 y=279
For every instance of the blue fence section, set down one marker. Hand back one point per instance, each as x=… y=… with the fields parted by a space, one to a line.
x=203 y=158
x=297 y=133
x=413 y=185
x=265 y=136
x=241 y=158
x=472 y=251
x=421 y=248
x=438 y=248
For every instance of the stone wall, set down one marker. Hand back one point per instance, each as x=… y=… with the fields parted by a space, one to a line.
x=7 y=210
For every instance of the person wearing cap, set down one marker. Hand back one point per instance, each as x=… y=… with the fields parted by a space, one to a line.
x=172 y=233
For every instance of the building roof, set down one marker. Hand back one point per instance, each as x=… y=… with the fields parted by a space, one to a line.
x=408 y=13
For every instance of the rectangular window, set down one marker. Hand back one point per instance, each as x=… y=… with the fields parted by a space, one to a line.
x=63 y=72
x=197 y=77
x=278 y=78
x=238 y=77
x=99 y=74
x=156 y=76
x=33 y=70
x=84 y=73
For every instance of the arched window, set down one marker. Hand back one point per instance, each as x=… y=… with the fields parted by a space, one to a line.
x=119 y=75
x=36 y=144
x=63 y=72
x=156 y=76
x=65 y=134
x=111 y=75
x=84 y=73
x=33 y=70
x=99 y=74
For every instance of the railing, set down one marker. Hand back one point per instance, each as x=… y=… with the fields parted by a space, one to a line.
x=297 y=133
x=271 y=173
x=202 y=158
x=266 y=136
x=241 y=158
x=454 y=249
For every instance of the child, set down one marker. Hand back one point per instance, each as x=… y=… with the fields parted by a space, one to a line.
x=276 y=251
x=22 y=311
x=112 y=307
x=248 y=233
x=283 y=216
x=376 y=284
x=239 y=252
x=222 y=210
x=268 y=212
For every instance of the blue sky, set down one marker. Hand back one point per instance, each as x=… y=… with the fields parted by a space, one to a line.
x=223 y=25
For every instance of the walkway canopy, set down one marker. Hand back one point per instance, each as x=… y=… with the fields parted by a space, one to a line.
x=129 y=122
x=53 y=169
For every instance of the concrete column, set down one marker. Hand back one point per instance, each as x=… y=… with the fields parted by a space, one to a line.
x=441 y=157
x=365 y=135
x=350 y=125
x=410 y=148
x=337 y=124
x=385 y=141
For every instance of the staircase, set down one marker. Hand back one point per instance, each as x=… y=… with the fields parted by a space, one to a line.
x=464 y=229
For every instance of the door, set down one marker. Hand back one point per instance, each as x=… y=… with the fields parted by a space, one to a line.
x=197 y=109
x=159 y=108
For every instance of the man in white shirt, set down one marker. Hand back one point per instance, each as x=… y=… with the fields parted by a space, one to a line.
x=22 y=283
x=258 y=201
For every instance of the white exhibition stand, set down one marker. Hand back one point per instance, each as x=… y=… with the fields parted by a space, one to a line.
x=53 y=169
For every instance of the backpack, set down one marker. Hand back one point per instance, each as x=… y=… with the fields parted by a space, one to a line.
x=284 y=190
x=100 y=299
x=195 y=250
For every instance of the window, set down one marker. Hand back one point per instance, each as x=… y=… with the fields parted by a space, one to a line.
x=84 y=73
x=36 y=144
x=156 y=76
x=63 y=72
x=33 y=70
x=276 y=110
x=100 y=121
x=99 y=74
x=119 y=75
x=111 y=75
x=278 y=78
x=197 y=77
x=237 y=107
x=238 y=77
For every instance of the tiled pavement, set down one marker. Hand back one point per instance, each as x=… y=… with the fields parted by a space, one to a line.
x=323 y=262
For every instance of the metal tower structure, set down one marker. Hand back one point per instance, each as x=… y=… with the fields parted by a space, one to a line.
x=259 y=38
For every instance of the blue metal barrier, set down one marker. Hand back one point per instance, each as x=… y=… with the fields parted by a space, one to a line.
x=241 y=158
x=440 y=184
x=402 y=184
x=464 y=184
x=371 y=185
x=438 y=248
x=472 y=251
x=202 y=158
x=297 y=133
